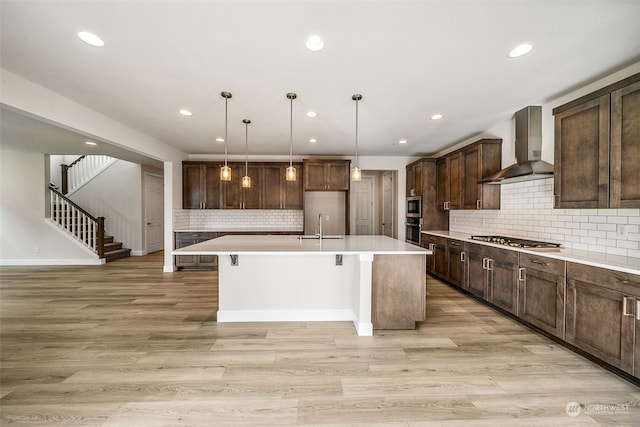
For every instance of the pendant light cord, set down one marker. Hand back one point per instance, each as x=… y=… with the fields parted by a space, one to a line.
x=246 y=147
x=357 y=100
x=291 y=134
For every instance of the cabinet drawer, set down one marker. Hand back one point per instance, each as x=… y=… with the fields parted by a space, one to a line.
x=458 y=244
x=536 y=262
x=434 y=239
x=624 y=282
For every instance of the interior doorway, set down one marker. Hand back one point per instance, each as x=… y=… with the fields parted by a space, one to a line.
x=154 y=208
x=374 y=204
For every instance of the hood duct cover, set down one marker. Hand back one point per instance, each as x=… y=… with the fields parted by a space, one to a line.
x=528 y=147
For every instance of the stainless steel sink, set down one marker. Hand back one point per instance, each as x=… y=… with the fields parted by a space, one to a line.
x=317 y=237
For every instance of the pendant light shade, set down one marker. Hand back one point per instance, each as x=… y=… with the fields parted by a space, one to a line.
x=356 y=172
x=246 y=179
x=291 y=174
x=225 y=171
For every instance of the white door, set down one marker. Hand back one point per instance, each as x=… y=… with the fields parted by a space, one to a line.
x=387 y=204
x=364 y=205
x=154 y=207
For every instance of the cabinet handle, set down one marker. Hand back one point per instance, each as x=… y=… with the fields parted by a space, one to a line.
x=625 y=306
x=484 y=263
x=478 y=204
x=535 y=261
x=638 y=309
x=522 y=274
x=462 y=256
x=489 y=264
x=431 y=246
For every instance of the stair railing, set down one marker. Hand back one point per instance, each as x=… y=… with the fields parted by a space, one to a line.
x=82 y=170
x=77 y=222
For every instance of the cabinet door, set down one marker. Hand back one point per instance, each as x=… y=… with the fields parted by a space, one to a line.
x=314 y=176
x=192 y=186
x=596 y=323
x=442 y=182
x=430 y=258
x=411 y=179
x=455 y=272
x=231 y=195
x=625 y=147
x=636 y=358
x=541 y=300
x=440 y=260
x=292 y=197
x=476 y=281
x=503 y=283
x=272 y=178
x=581 y=172
x=472 y=173
x=338 y=175
x=212 y=186
x=455 y=181
x=251 y=195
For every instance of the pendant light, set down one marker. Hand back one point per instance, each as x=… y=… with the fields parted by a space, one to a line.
x=225 y=171
x=246 y=179
x=356 y=172
x=290 y=174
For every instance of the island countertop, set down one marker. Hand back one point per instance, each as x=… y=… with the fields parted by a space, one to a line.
x=274 y=245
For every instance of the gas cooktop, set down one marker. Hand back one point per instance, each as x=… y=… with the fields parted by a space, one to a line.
x=518 y=243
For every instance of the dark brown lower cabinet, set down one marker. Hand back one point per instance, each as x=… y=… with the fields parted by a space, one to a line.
x=502 y=275
x=201 y=262
x=602 y=307
x=475 y=279
x=541 y=293
x=456 y=256
x=492 y=275
x=436 y=263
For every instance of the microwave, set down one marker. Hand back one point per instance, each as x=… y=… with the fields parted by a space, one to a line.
x=414 y=207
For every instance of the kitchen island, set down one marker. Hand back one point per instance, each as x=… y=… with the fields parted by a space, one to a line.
x=375 y=281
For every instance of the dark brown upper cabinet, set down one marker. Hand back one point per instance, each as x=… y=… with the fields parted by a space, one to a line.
x=326 y=175
x=201 y=185
x=597 y=148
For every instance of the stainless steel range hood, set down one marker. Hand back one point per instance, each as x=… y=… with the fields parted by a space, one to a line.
x=528 y=146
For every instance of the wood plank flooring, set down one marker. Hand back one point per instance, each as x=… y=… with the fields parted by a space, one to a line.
x=124 y=344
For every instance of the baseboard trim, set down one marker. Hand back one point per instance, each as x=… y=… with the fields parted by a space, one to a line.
x=285 y=316
x=29 y=262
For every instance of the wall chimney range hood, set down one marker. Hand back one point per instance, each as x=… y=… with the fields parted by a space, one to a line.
x=528 y=147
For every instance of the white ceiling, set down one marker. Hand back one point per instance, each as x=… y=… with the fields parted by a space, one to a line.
x=409 y=60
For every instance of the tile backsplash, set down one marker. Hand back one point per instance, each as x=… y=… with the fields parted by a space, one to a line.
x=238 y=219
x=527 y=211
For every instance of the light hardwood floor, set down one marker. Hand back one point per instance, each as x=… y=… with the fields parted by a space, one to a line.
x=125 y=344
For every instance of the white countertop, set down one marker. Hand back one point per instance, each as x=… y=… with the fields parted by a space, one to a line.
x=228 y=229
x=287 y=245
x=596 y=259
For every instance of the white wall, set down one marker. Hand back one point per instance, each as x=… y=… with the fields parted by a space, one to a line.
x=24 y=95
x=25 y=237
x=116 y=194
x=527 y=208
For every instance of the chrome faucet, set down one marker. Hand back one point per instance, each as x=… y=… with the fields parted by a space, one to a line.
x=320 y=226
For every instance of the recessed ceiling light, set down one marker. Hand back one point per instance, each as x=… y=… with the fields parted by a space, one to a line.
x=314 y=43
x=90 y=143
x=313 y=140
x=436 y=116
x=312 y=114
x=219 y=139
x=520 y=50
x=90 y=38
x=402 y=141
x=185 y=112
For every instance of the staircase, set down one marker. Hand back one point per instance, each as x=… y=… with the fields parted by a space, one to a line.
x=84 y=228
x=114 y=250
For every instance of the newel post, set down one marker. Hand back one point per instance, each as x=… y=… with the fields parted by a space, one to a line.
x=100 y=237
x=65 y=179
